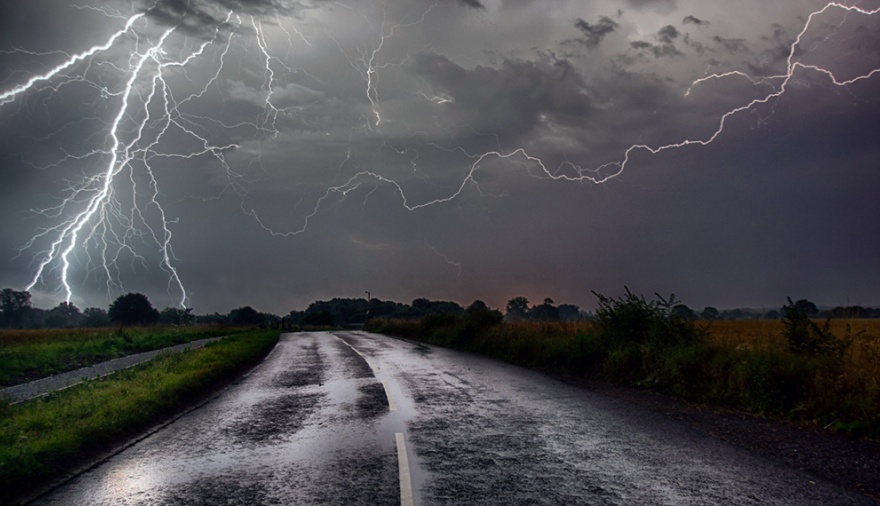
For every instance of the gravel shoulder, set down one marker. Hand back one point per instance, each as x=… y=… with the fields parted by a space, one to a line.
x=847 y=462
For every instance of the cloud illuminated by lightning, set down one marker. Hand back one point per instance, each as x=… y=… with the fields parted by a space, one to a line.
x=109 y=214
x=605 y=172
x=93 y=211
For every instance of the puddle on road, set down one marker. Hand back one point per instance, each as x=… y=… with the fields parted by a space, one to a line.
x=312 y=423
x=275 y=418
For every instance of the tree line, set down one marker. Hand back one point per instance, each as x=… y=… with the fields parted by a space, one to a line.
x=18 y=312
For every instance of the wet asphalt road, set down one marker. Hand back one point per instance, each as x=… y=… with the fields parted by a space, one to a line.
x=317 y=423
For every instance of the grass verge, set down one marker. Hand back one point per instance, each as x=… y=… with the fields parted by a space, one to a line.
x=27 y=355
x=744 y=365
x=43 y=438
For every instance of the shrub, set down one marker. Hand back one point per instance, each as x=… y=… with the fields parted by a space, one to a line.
x=805 y=337
x=632 y=320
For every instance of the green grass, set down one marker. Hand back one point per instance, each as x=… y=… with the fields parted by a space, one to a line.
x=42 y=438
x=27 y=355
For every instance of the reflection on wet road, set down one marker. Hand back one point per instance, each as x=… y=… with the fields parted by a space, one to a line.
x=314 y=424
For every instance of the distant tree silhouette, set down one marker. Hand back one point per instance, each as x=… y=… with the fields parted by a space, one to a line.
x=545 y=312
x=354 y=311
x=63 y=315
x=517 y=309
x=849 y=312
x=94 y=317
x=710 y=313
x=806 y=307
x=245 y=316
x=14 y=306
x=176 y=316
x=319 y=319
x=421 y=304
x=133 y=309
x=478 y=316
x=684 y=312
x=569 y=313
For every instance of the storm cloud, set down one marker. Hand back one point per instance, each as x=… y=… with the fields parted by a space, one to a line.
x=453 y=150
x=594 y=33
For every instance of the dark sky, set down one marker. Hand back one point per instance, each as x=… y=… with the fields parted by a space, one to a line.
x=274 y=152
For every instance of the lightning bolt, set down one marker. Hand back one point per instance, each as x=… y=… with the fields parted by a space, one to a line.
x=605 y=172
x=93 y=212
x=10 y=95
x=446 y=259
x=367 y=63
x=108 y=214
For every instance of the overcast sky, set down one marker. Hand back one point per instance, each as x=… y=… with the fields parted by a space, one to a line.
x=274 y=152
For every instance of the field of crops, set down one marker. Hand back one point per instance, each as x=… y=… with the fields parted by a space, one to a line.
x=745 y=364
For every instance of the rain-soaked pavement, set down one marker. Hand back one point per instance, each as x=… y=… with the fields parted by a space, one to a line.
x=319 y=423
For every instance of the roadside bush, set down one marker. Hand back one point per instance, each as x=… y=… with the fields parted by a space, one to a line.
x=632 y=320
x=794 y=369
x=805 y=337
x=476 y=319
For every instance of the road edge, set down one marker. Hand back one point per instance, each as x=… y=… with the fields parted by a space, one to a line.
x=103 y=457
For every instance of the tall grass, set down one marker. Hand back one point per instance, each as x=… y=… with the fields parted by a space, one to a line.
x=42 y=438
x=27 y=355
x=742 y=364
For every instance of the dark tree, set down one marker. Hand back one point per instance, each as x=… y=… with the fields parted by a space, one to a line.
x=176 y=316
x=478 y=315
x=545 y=312
x=684 y=312
x=421 y=304
x=710 y=313
x=569 y=313
x=14 y=306
x=133 y=309
x=319 y=319
x=517 y=308
x=63 y=315
x=733 y=314
x=806 y=307
x=245 y=316
x=849 y=312
x=94 y=317
x=477 y=305
x=214 y=318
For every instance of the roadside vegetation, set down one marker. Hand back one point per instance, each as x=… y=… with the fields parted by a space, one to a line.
x=824 y=373
x=43 y=438
x=27 y=355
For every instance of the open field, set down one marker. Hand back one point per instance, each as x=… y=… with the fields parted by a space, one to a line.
x=741 y=364
x=27 y=355
x=45 y=437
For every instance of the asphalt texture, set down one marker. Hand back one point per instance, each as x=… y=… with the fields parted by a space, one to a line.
x=313 y=425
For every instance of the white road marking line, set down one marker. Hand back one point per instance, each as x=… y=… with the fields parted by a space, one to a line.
x=369 y=362
x=406 y=492
x=391 y=405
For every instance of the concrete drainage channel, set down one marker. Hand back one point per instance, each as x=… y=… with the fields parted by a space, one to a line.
x=44 y=386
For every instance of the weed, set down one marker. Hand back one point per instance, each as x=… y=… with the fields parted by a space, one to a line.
x=631 y=319
x=794 y=368
x=805 y=337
